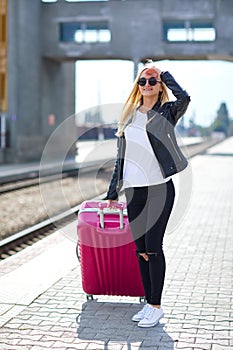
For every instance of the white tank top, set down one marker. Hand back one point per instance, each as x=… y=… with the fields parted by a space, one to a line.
x=141 y=167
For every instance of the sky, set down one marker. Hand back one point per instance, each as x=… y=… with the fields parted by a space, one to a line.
x=209 y=83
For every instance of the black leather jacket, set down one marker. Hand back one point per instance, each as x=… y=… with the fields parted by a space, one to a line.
x=160 y=131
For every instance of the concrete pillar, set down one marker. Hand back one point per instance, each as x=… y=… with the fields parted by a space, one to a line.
x=40 y=91
x=58 y=105
x=135 y=63
x=24 y=70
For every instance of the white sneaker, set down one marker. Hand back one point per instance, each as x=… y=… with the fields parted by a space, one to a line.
x=151 y=317
x=140 y=314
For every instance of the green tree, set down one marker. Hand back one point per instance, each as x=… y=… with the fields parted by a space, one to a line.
x=222 y=121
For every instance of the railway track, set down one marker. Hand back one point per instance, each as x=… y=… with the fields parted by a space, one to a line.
x=34 y=178
x=24 y=238
x=20 y=184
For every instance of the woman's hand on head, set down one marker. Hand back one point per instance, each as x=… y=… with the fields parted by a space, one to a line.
x=159 y=72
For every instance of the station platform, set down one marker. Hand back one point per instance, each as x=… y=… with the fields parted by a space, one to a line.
x=89 y=154
x=43 y=306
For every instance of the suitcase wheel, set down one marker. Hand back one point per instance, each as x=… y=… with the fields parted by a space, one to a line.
x=89 y=296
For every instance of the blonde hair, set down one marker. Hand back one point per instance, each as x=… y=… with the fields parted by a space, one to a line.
x=135 y=99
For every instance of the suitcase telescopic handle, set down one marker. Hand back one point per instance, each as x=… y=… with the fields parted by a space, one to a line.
x=118 y=209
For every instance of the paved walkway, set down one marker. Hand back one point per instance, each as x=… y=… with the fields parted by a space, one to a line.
x=42 y=304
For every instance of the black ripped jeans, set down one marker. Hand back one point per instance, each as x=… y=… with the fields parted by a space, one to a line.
x=149 y=209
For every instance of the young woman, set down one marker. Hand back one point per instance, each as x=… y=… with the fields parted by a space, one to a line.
x=147 y=157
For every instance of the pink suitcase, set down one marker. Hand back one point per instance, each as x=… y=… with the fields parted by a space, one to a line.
x=107 y=252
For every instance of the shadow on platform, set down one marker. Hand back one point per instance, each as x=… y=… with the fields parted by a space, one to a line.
x=108 y=323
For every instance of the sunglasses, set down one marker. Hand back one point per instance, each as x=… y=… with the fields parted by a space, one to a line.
x=152 y=81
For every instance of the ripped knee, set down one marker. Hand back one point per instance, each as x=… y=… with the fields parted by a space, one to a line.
x=152 y=254
x=146 y=255
x=143 y=255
